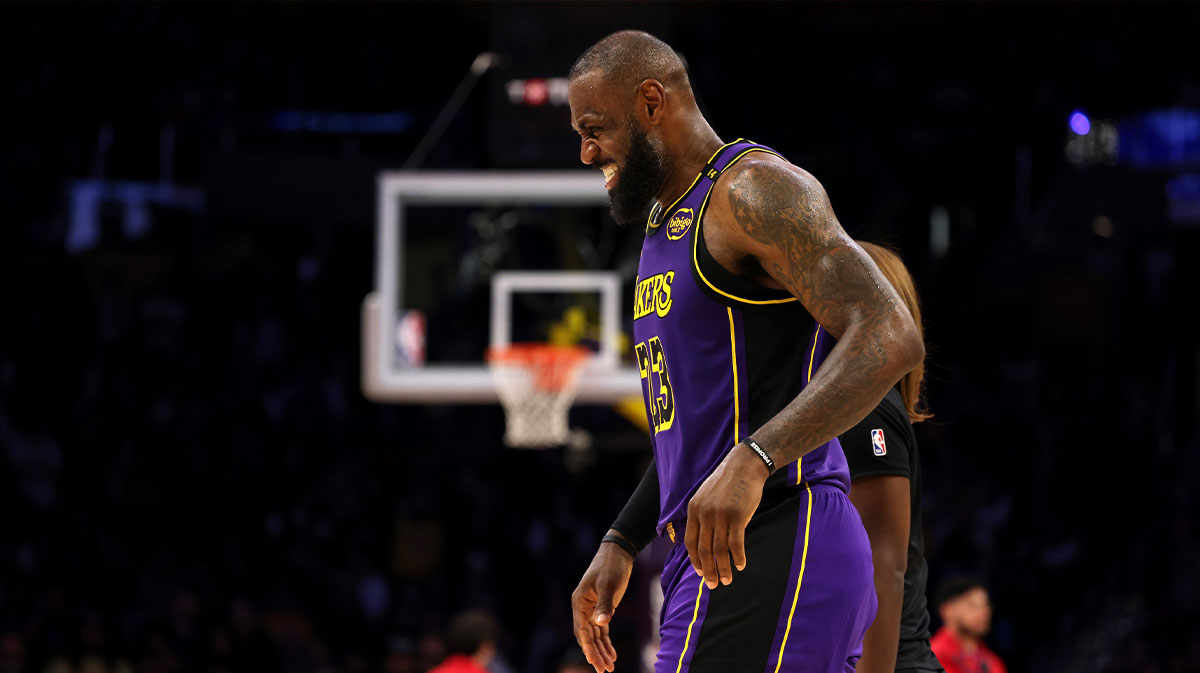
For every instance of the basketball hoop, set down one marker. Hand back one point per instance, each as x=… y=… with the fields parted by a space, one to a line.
x=536 y=383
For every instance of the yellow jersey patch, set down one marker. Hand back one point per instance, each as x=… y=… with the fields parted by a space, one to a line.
x=679 y=223
x=653 y=295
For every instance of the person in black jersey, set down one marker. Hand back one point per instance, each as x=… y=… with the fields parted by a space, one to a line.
x=885 y=473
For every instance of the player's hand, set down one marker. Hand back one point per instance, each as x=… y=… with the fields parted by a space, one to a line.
x=719 y=513
x=594 y=600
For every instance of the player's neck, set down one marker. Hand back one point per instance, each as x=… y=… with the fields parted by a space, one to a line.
x=699 y=142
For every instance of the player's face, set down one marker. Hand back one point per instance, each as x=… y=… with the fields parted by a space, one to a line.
x=972 y=613
x=612 y=140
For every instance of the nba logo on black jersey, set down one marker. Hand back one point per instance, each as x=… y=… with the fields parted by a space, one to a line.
x=877 y=442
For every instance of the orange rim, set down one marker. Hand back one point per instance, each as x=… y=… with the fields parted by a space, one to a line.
x=551 y=365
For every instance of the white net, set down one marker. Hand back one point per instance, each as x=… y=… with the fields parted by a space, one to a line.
x=536 y=384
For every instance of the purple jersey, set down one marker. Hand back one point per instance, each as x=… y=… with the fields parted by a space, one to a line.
x=719 y=356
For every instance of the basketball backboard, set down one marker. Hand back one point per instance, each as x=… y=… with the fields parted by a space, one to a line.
x=387 y=378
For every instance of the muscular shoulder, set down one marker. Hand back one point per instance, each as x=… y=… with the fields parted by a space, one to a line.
x=774 y=216
x=768 y=198
x=763 y=171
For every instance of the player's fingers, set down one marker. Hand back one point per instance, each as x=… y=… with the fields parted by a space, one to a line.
x=691 y=538
x=608 y=645
x=586 y=640
x=704 y=549
x=721 y=551
x=598 y=643
x=583 y=630
x=587 y=643
x=737 y=546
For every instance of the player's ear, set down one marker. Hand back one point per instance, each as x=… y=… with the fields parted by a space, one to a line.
x=651 y=101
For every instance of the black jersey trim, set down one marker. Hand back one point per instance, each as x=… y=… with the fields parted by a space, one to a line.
x=704 y=266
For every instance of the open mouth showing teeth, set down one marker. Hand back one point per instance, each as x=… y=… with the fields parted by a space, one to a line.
x=610 y=174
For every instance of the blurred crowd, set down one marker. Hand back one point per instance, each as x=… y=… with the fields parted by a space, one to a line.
x=191 y=480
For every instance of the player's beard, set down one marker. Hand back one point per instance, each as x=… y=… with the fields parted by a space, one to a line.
x=639 y=179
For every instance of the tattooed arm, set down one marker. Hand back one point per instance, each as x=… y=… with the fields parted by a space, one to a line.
x=773 y=222
x=780 y=216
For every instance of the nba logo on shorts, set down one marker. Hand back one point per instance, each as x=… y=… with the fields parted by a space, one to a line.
x=877 y=443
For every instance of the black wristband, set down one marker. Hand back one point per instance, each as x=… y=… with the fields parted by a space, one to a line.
x=749 y=441
x=621 y=542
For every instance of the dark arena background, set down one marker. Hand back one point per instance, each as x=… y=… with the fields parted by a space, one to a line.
x=192 y=479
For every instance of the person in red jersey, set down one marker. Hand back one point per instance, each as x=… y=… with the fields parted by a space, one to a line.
x=470 y=643
x=967 y=616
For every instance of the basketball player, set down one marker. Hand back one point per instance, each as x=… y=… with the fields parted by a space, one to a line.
x=885 y=487
x=762 y=332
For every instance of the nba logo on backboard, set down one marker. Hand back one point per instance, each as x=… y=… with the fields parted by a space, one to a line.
x=410 y=339
x=877 y=442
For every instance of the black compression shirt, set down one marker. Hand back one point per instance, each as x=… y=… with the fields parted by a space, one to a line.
x=883 y=444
